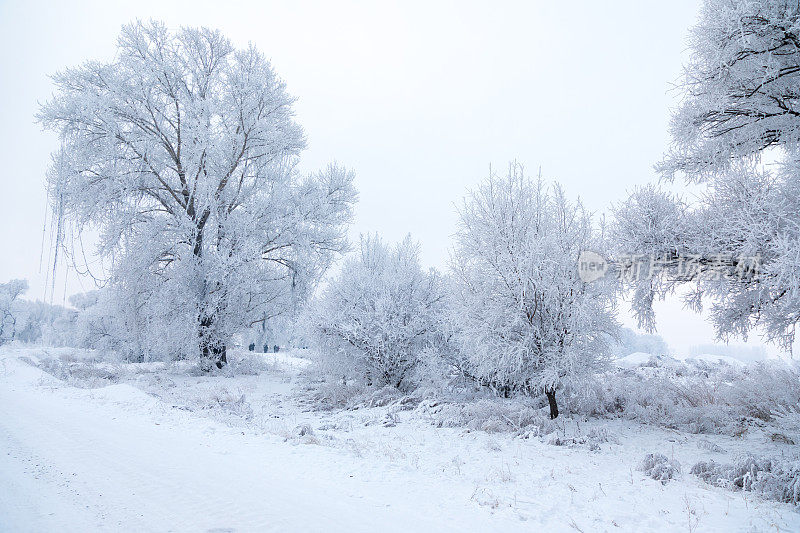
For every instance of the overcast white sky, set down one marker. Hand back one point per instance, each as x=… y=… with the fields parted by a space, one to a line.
x=417 y=97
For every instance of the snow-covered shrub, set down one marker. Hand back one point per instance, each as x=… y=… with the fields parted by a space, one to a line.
x=554 y=439
x=761 y=389
x=601 y=434
x=119 y=319
x=740 y=475
x=80 y=368
x=708 y=398
x=701 y=398
x=773 y=479
x=592 y=440
x=660 y=467
x=234 y=403
x=245 y=363
x=302 y=434
x=713 y=473
x=376 y=320
x=326 y=391
x=492 y=415
x=525 y=320
x=705 y=444
x=782 y=483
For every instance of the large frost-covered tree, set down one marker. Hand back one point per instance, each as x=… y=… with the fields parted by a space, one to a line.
x=378 y=319
x=740 y=87
x=182 y=154
x=737 y=133
x=525 y=320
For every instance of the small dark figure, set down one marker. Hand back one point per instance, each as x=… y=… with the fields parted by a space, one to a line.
x=252 y=347
x=276 y=348
x=266 y=348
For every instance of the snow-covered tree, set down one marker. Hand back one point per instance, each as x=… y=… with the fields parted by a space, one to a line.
x=740 y=87
x=105 y=321
x=9 y=308
x=649 y=223
x=734 y=248
x=45 y=323
x=632 y=342
x=525 y=320
x=378 y=317
x=181 y=153
x=736 y=132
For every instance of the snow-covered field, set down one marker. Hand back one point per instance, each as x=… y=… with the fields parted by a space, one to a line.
x=162 y=448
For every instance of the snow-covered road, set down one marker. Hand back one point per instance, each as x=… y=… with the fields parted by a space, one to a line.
x=113 y=459
x=118 y=459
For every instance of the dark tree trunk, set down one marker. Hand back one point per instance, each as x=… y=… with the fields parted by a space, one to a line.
x=213 y=350
x=551 y=398
x=219 y=354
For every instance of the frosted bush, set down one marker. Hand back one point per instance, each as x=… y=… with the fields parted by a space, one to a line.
x=83 y=369
x=713 y=399
x=770 y=478
x=601 y=435
x=376 y=397
x=325 y=391
x=234 y=403
x=593 y=439
x=705 y=444
x=302 y=434
x=713 y=473
x=378 y=318
x=247 y=363
x=781 y=484
x=490 y=415
x=554 y=439
x=659 y=467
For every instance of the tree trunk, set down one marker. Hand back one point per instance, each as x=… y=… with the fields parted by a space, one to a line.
x=551 y=398
x=212 y=348
x=218 y=354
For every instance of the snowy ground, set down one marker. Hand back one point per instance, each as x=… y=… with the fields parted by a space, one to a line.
x=156 y=448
